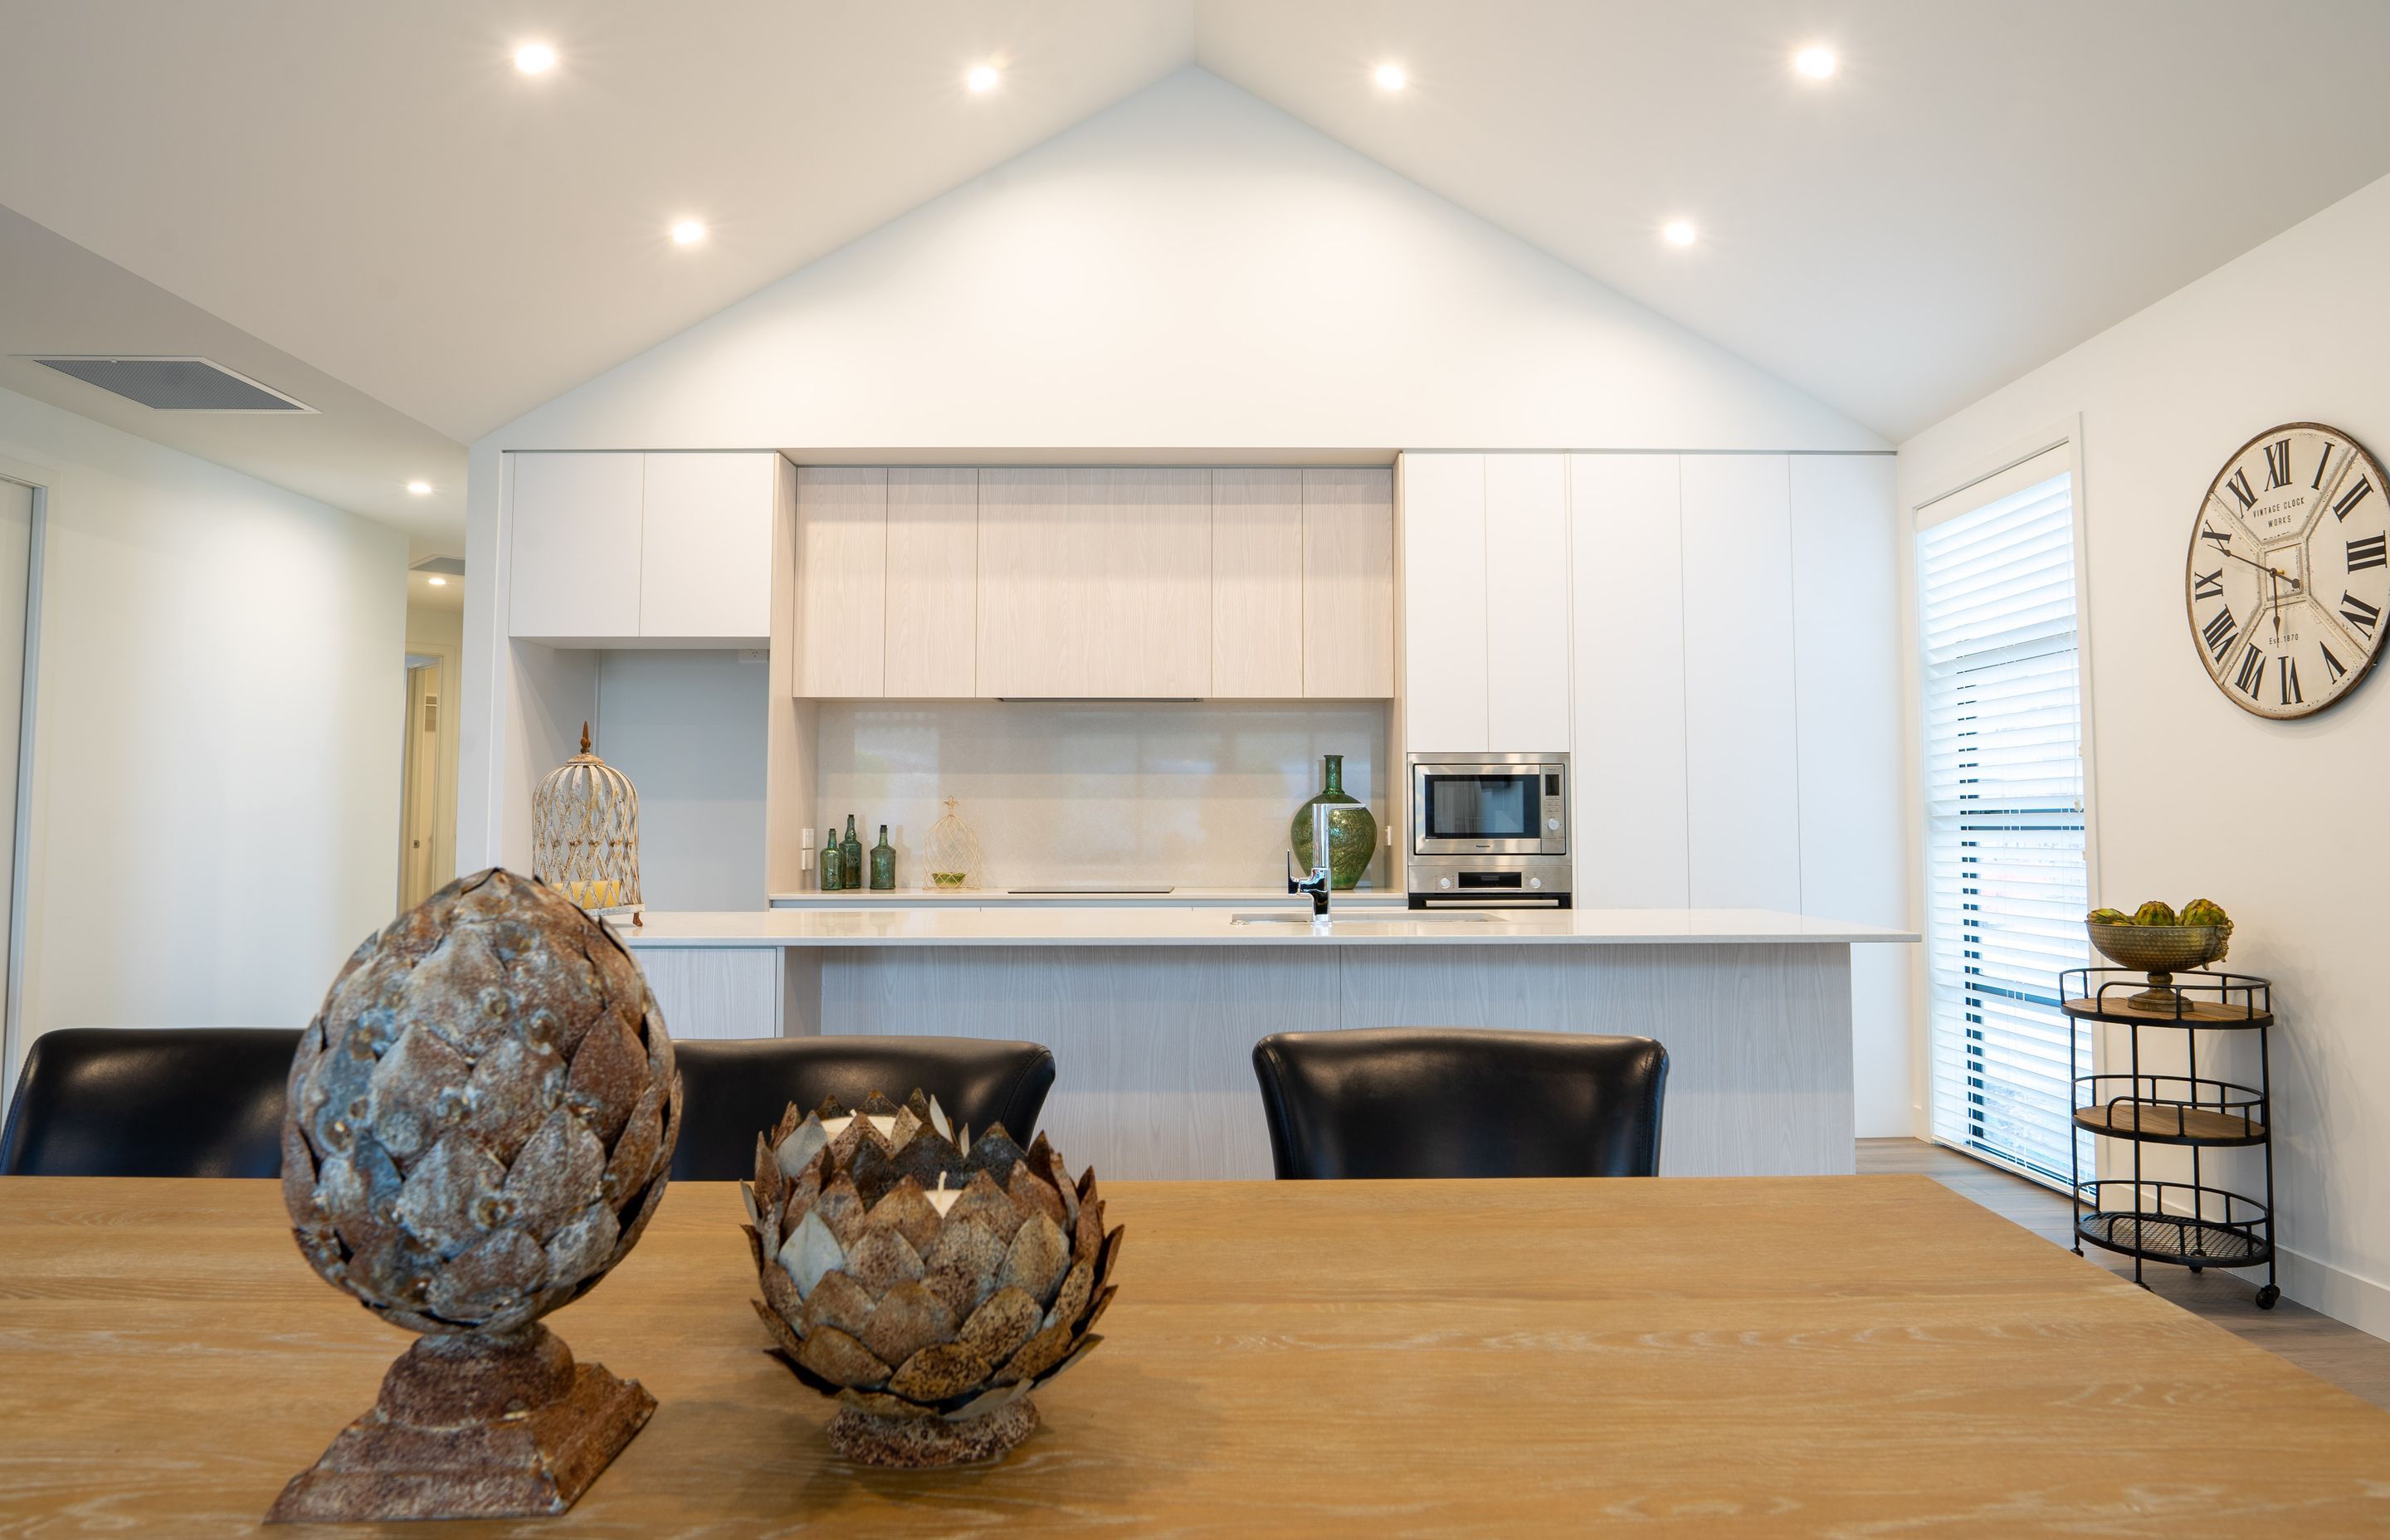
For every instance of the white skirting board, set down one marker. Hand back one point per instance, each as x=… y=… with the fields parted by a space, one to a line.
x=1154 y=1047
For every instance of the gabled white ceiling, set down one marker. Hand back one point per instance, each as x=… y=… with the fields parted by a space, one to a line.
x=1981 y=185
x=372 y=191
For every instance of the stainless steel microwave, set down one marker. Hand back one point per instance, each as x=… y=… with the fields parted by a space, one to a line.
x=1488 y=831
x=1489 y=804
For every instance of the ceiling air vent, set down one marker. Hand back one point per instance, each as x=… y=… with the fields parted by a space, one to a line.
x=175 y=384
x=446 y=566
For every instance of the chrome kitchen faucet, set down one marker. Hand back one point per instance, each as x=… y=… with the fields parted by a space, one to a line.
x=1317 y=884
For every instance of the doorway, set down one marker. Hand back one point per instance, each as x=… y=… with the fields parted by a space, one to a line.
x=427 y=827
x=21 y=515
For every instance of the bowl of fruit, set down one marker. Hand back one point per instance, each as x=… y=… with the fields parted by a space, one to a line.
x=2160 y=942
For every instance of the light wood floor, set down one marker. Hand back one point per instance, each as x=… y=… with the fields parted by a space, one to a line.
x=2326 y=1348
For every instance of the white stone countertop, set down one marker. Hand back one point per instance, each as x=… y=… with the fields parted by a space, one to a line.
x=1060 y=925
x=990 y=898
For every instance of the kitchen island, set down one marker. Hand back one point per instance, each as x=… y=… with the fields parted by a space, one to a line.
x=1153 y=1012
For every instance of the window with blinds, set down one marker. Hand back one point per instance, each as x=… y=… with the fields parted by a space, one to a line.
x=2006 y=878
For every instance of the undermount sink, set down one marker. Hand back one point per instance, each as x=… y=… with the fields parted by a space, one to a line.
x=1351 y=918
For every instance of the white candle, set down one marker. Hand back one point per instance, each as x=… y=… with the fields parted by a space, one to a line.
x=835 y=1126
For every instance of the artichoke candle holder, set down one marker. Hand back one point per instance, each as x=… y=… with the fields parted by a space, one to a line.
x=480 y=1124
x=2160 y=951
x=927 y=1281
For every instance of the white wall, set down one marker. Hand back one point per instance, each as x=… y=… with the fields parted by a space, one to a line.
x=1199 y=795
x=1192 y=269
x=216 y=771
x=688 y=728
x=2284 y=823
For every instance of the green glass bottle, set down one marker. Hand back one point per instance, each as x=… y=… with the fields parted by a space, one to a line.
x=1351 y=830
x=832 y=863
x=850 y=856
x=883 y=864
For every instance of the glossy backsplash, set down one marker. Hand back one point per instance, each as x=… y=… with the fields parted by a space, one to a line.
x=1195 y=795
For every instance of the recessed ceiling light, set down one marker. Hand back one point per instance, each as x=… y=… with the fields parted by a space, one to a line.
x=1815 y=63
x=1678 y=232
x=439 y=583
x=421 y=489
x=534 y=58
x=1390 y=77
x=689 y=232
x=982 y=78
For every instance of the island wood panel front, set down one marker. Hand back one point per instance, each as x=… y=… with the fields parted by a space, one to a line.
x=1853 y=1355
x=1153 y=1046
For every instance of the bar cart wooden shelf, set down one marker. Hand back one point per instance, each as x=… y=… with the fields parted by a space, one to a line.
x=2195 y=1224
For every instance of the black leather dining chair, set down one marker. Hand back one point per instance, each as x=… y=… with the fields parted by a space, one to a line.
x=1452 y=1101
x=732 y=1091
x=151 y=1101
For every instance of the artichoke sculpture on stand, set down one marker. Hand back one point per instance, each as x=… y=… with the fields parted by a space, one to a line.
x=927 y=1281
x=480 y=1124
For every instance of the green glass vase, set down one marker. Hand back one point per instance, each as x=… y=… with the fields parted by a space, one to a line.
x=1352 y=832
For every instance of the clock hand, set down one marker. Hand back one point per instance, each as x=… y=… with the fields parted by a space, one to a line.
x=2274 y=581
x=2276 y=572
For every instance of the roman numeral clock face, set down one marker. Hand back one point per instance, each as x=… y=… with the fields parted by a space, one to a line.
x=2288 y=582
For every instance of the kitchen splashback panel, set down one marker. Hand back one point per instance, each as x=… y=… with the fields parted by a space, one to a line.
x=1194 y=794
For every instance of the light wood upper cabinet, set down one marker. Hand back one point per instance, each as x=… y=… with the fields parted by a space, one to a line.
x=574 y=570
x=1094 y=582
x=1348 y=584
x=932 y=575
x=1259 y=584
x=1443 y=603
x=1527 y=603
x=705 y=550
x=841 y=581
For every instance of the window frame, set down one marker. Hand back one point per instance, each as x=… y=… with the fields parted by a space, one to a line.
x=2065 y=434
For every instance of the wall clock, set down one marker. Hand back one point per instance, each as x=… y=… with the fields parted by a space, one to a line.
x=2287 y=582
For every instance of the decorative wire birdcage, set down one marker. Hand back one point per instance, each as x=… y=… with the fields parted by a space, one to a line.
x=585 y=833
x=951 y=855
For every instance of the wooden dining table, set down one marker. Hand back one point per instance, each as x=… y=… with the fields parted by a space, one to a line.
x=1856 y=1356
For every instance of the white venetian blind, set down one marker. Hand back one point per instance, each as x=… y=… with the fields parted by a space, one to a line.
x=2006 y=877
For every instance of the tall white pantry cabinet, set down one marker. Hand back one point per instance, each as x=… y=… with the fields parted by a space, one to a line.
x=1714 y=640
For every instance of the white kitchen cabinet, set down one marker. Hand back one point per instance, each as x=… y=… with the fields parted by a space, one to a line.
x=1348 y=584
x=1258 y=585
x=1095 y=583
x=628 y=549
x=841 y=581
x=1627 y=831
x=1526 y=603
x=1741 y=738
x=705 y=548
x=1443 y=603
x=574 y=570
x=932 y=578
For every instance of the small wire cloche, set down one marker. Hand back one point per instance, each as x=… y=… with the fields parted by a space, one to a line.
x=951 y=855
x=585 y=833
